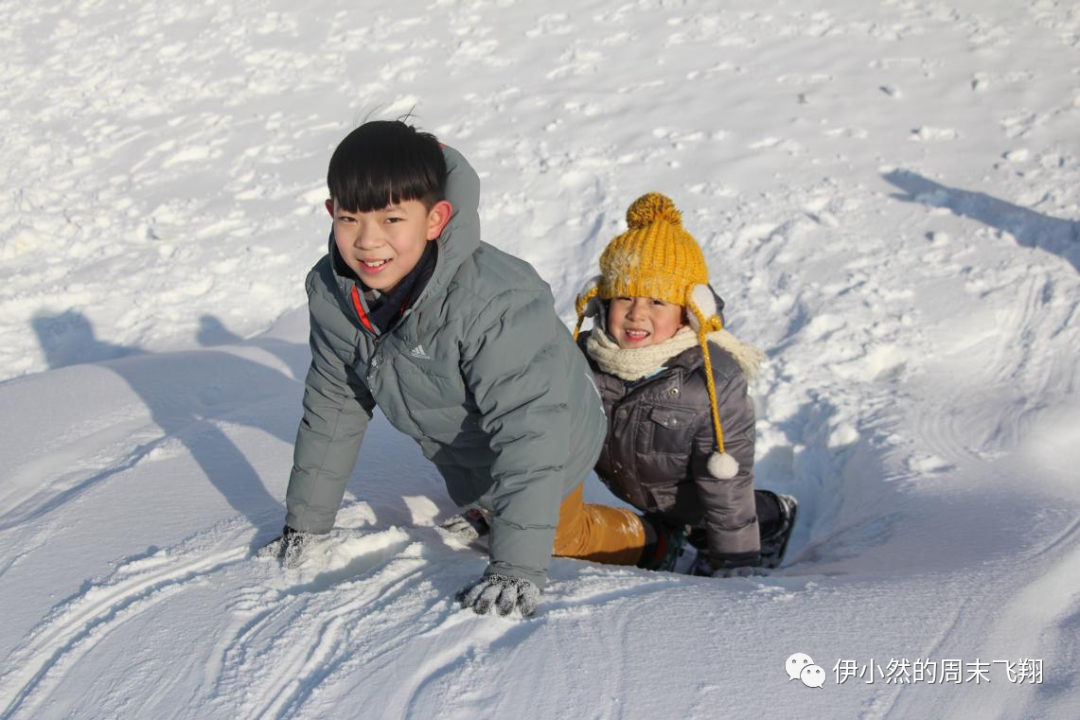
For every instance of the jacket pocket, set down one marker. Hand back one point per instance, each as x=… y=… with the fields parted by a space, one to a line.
x=672 y=431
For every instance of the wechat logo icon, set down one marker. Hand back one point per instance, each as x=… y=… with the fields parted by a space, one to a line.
x=800 y=666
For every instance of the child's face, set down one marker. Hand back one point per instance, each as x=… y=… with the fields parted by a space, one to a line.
x=383 y=246
x=640 y=321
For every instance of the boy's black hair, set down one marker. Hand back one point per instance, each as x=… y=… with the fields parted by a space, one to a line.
x=386 y=162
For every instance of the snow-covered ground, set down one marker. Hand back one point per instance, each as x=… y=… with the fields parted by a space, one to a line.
x=889 y=198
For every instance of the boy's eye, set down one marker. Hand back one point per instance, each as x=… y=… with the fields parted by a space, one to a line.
x=658 y=302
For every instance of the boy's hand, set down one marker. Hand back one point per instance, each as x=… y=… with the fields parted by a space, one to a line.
x=286 y=547
x=502 y=591
x=469 y=526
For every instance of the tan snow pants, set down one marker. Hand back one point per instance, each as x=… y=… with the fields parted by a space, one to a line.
x=597 y=532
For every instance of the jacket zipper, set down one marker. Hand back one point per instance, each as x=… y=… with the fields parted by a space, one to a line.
x=376 y=339
x=616 y=407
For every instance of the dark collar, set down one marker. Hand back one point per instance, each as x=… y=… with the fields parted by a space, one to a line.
x=388 y=307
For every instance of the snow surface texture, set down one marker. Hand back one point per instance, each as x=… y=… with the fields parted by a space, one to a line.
x=887 y=195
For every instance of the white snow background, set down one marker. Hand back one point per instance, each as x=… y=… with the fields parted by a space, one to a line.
x=888 y=195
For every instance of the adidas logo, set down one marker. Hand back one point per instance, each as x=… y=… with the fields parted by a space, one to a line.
x=418 y=352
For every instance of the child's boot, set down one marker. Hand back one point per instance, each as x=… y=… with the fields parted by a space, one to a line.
x=664 y=552
x=775 y=545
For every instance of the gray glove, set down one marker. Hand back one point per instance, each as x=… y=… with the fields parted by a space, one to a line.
x=502 y=591
x=469 y=526
x=286 y=547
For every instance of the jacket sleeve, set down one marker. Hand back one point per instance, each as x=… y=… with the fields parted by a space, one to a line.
x=337 y=408
x=516 y=368
x=730 y=509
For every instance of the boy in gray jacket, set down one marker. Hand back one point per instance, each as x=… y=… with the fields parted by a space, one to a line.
x=457 y=342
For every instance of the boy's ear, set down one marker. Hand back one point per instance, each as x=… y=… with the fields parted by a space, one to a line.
x=330 y=206
x=437 y=218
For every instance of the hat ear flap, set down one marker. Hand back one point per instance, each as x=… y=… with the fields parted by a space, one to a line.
x=587 y=303
x=703 y=304
x=588 y=300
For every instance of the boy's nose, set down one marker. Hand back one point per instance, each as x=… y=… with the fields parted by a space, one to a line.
x=368 y=237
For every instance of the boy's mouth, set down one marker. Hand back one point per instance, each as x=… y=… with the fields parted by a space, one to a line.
x=636 y=335
x=373 y=266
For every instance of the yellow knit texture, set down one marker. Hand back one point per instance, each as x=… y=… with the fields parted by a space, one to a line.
x=655 y=257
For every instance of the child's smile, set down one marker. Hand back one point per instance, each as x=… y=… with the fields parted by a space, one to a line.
x=640 y=321
x=383 y=246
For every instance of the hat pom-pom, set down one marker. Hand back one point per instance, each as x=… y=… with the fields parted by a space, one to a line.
x=650 y=208
x=722 y=466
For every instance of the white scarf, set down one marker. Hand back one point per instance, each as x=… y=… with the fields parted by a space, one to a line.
x=635 y=363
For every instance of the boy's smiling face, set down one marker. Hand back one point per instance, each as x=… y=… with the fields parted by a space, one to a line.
x=383 y=246
x=640 y=321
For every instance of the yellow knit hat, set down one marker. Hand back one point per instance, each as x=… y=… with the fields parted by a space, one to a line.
x=657 y=258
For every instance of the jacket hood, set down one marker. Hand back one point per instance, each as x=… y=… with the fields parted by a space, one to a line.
x=459 y=239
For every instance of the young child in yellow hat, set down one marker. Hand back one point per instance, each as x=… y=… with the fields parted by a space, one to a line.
x=680 y=439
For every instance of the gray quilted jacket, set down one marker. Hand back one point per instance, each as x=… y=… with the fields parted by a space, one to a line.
x=659 y=440
x=479 y=371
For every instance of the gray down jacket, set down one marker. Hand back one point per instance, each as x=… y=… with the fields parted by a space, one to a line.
x=660 y=437
x=479 y=371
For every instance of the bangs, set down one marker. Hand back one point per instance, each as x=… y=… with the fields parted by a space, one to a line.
x=385 y=163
